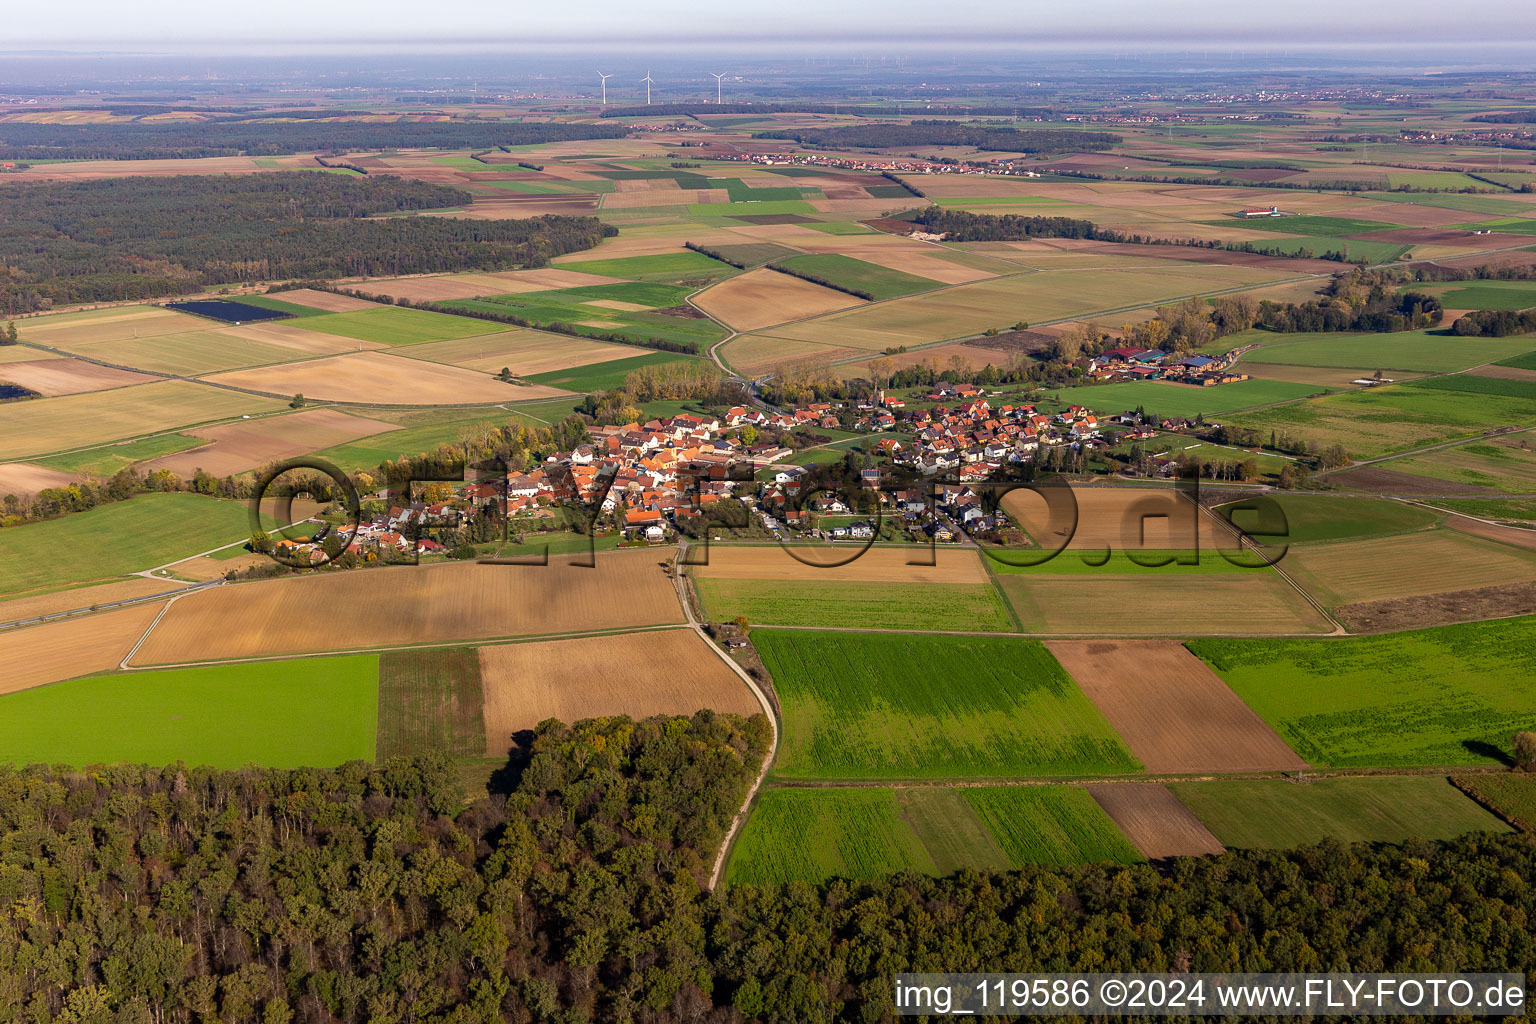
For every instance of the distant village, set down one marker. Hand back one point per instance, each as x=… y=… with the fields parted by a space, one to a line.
x=650 y=481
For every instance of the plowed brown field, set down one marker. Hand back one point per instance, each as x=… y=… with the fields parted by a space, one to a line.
x=246 y=444
x=668 y=672
x=1156 y=821
x=760 y=298
x=1174 y=713
x=73 y=647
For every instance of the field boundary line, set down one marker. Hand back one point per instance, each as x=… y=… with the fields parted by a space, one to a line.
x=123 y=665
x=1243 y=540
x=728 y=841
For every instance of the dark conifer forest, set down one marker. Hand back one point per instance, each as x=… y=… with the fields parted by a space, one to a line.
x=380 y=893
x=142 y=237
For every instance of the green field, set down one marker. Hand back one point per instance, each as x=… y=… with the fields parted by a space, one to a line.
x=950 y=830
x=669 y=268
x=752 y=254
x=1421 y=351
x=712 y=211
x=1525 y=361
x=1505 y=295
x=863 y=705
x=1050 y=825
x=1385 y=420
x=1315 y=517
x=858 y=276
x=1445 y=696
x=122 y=537
x=812 y=835
x=430 y=702
x=1163 y=399
x=397 y=325
x=279 y=714
x=1512 y=794
x=108 y=459
x=847 y=227
x=1276 y=814
x=573 y=308
x=1433 y=179
x=602 y=376
x=1471 y=384
x=1492 y=507
x=422 y=431
x=1328 y=227
x=1498 y=463
x=953 y=606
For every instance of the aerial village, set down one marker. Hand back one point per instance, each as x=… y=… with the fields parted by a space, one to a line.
x=648 y=482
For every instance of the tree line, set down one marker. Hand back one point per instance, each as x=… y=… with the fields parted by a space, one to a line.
x=873 y=110
x=946 y=133
x=139 y=140
x=142 y=237
x=379 y=893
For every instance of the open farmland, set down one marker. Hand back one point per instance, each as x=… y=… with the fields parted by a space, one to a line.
x=761 y=298
x=878 y=564
x=1512 y=795
x=55 y=376
x=1154 y=820
x=862 y=705
x=950 y=830
x=114 y=323
x=117 y=538
x=1411 y=565
x=46 y=425
x=1001 y=302
x=24 y=479
x=447 y=602
x=20 y=609
x=1050 y=825
x=394 y=325
x=524 y=352
x=1272 y=813
x=685 y=267
x=73 y=647
x=188 y=353
x=1161 y=399
x=1140 y=519
x=1175 y=714
x=664 y=672
x=328 y=302
x=1385 y=420
x=1435 y=351
x=430 y=702
x=275 y=714
x=247 y=444
x=1504 y=463
x=1444 y=696
x=1326 y=517
x=813 y=835
x=375 y=378
x=1157 y=605
x=855 y=275
x=942 y=606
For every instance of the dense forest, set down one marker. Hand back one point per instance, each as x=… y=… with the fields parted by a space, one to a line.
x=375 y=893
x=1363 y=300
x=134 y=238
x=946 y=133
x=1494 y=323
x=135 y=140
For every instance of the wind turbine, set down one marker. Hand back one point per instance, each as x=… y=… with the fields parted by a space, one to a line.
x=717 y=79
x=605 y=86
x=649 y=81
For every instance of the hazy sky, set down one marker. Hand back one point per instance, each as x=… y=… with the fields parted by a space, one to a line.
x=165 y=25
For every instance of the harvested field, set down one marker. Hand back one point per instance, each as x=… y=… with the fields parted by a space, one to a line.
x=1122 y=519
x=375 y=378
x=1504 y=372
x=877 y=565
x=75 y=647
x=1322 y=376
x=297 y=340
x=247 y=444
x=202 y=568
x=754 y=353
x=118 y=323
x=24 y=479
x=763 y=297
x=22 y=608
x=429 y=702
x=1176 y=715
x=1415 y=565
x=53 y=377
x=54 y=424
x=328 y=301
x=188 y=353
x=414 y=604
x=932 y=265
x=1160 y=605
x=438 y=289
x=666 y=672
x=524 y=352
x=1156 y=821
x=972 y=353
x=1391 y=615
x=1491 y=531
x=25 y=354
x=1389 y=481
